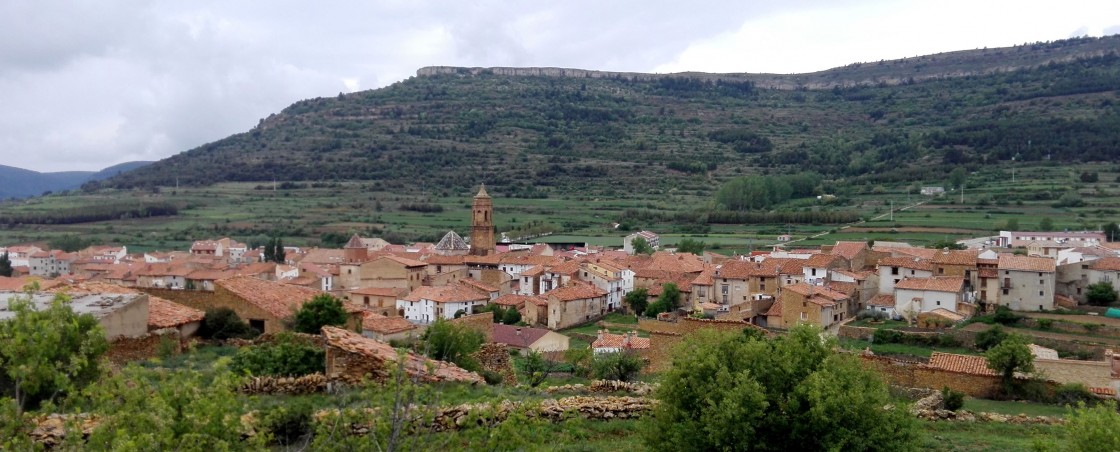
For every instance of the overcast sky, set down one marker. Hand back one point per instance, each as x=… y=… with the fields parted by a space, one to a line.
x=88 y=84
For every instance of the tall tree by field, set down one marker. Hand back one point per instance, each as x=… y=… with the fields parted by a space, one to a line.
x=957 y=177
x=641 y=246
x=1010 y=357
x=669 y=300
x=637 y=300
x=1112 y=231
x=730 y=391
x=48 y=352
x=5 y=265
x=691 y=246
x=322 y=310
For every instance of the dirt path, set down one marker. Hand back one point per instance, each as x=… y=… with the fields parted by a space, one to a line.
x=977 y=327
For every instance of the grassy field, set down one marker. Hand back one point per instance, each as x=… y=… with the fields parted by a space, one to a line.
x=1014 y=407
x=309 y=216
x=903 y=349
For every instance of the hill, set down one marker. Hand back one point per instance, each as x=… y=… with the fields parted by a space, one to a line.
x=532 y=131
x=21 y=183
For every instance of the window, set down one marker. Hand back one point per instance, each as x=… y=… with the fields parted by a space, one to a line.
x=1005 y=291
x=804 y=317
x=1039 y=274
x=814 y=272
x=894 y=270
x=1040 y=282
x=1040 y=293
x=257 y=324
x=940 y=271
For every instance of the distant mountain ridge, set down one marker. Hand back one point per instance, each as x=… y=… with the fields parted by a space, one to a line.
x=534 y=132
x=22 y=183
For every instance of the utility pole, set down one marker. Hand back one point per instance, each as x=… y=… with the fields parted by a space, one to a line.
x=962 y=193
x=892 y=210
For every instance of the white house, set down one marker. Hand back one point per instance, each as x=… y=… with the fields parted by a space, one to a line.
x=615 y=279
x=425 y=304
x=1026 y=283
x=652 y=239
x=895 y=269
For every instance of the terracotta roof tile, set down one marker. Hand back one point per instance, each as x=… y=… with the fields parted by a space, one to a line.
x=810 y=290
x=517 y=336
x=167 y=314
x=404 y=261
x=955 y=257
x=947 y=314
x=278 y=299
x=823 y=261
x=379 y=291
x=446 y=294
x=848 y=250
x=1106 y=264
x=775 y=309
x=437 y=259
x=975 y=365
x=487 y=288
x=514 y=300
x=380 y=324
x=882 y=300
x=745 y=269
x=1024 y=263
x=427 y=369
x=576 y=292
x=935 y=284
x=1106 y=392
x=914 y=263
x=610 y=340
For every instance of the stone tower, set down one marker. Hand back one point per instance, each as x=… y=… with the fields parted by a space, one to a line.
x=482 y=224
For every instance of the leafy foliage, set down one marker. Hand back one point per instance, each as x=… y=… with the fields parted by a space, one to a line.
x=954 y=400
x=637 y=300
x=274 y=251
x=5 y=265
x=580 y=359
x=49 y=352
x=990 y=337
x=452 y=342
x=1101 y=294
x=669 y=299
x=756 y=193
x=536 y=368
x=791 y=392
x=621 y=366
x=691 y=246
x=1010 y=357
x=641 y=246
x=289 y=424
x=285 y=356
x=320 y=311
x=224 y=323
x=1094 y=428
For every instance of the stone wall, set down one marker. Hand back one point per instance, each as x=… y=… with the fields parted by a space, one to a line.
x=353 y=367
x=483 y=323
x=856 y=332
x=127 y=349
x=495 y=358
x=1089 y=373
x=921 y=376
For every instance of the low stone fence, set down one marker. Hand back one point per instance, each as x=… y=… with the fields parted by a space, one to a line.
x=160 y=342
x=605 y=386
x=495 y=358
x=307 y=384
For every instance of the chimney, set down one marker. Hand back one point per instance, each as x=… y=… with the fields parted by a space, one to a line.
x=599 y=335
x=625 y=340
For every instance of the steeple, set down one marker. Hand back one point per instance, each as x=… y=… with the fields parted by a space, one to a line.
x=482 y=192
x=482 y=224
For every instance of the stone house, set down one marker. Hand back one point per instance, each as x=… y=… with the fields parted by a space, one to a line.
x=265 y=305
x=865 y=283
x=812 y=304
x=381 y=300
x=1026 y=283
x=606 y=342
x=386 y=271
x=163 y=314
x=1073 y=279
x=856 y=253
x=818 y=266
x=120 y=314
x=353 y=358
x=536 y=311
x=386 y=328
x=914 y=296
x=575 y=304
x=50 y=263
x=962 y=263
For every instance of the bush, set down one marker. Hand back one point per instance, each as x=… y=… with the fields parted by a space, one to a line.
x=286 y=356
x=223 y=323
x=453 y=343
x=492 y=378
x=885 y=336
x=1005 y=316
x=1094 y=428
x=871 y=314
x=1045 y=324
x=621 y=366
x=289 y=423
x=954 y=400
x=580 y=360
x=990 y=337
x=320 y=311
x=1073 y=394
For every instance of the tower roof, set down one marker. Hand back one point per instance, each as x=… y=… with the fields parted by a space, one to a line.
x=452 y=241
x=482 y=192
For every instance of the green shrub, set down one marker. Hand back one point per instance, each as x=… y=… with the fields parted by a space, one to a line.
x=289 y=423
x=1005 y=316
x=990 y=338
x=223 y=323
x=946 y=340
x=1074 y=393
x=954 y=400
x=885 y=336
x=621 y=366
x=1045 y=324
x=320 y=311
x=871 y=314
x=286 y=356
x=492 y=378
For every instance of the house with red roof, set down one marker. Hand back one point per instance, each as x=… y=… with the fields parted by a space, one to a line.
x=574 y=304
x=811 y=304
x=426 y=304
x=894 y=269
x=386 y=270
x=387 y=328
x=524 y=338
x=267 y=304
x=607 y=342
x=1026 y=283
x=914 y=296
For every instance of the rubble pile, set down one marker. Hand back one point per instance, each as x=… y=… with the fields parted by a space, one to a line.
x=494 y=358
x=307 y=384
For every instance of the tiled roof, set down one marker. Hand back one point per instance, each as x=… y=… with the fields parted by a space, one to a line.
x=535 y=271
x=491 y=260
x=1024 y=263
x=380 y=324
x=705 y=277
x=745 y=269
x=446 y=294
x=680 y=262
x=379 y=291
x=843 y=287
x=936 y=284
x=439 y=259
x=914 y=263
x=1104 y=392
x=278 y=299
x=822 y=261
x=610 y=340
x=810 y=290
x=527 y=259
x=988 y=273
x=576 y=292
x=848 y=250
x=405 y=261
x=513 y=300
x=517 y=336
x=975 y=365
x=955 y=257
x=167 y=314
x=856 y=275
x=414 y=365
x=775 y=309
x=882 y=300
x=1106 y=264
x=821 y=301
x=924 y=253
x=1041 y=352
x=479 y=285
x=947 y=314
x=790 y=266
x=570 y=267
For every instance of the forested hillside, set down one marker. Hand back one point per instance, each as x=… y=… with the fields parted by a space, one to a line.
x=529 y=136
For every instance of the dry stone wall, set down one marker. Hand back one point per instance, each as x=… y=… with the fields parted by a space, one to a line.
x=124 y=350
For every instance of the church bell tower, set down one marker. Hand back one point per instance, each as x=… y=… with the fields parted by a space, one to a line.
x=482 y=224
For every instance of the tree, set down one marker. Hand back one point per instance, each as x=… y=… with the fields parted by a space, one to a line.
x=990 y=337
x=48 y=352
x=278 y=253
x=1012 y=224
x=322 y=310
x=1093 y=428
x=224 y=323
x=621 y=366
x=641 y=246
x=1089 y=176
x=1101 y=294
x=957 y=177
x=637 y=300
x=511 y=317
x=726 y=390
x=580 y=359
x=5 y=265
x=669 y=299
x=536 y=368
x=1112 y=231
x=691 y=246
x=285 y=356
x=1046 y=224
x=452 y=342
x=1010 y=356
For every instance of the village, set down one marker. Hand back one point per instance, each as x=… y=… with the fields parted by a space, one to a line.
x=568 y=297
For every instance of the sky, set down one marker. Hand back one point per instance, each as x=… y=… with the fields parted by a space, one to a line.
x=88 y=84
